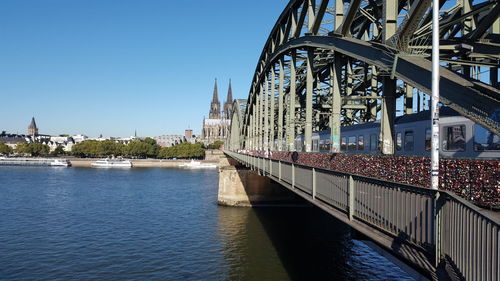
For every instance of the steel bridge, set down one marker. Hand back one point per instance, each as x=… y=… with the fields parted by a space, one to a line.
x=327 y=64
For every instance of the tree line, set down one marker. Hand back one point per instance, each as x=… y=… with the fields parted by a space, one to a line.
x=146 y=148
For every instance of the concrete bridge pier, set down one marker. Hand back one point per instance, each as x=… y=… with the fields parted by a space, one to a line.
x=239 y=186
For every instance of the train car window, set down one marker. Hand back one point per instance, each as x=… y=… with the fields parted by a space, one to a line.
x=352 y=143
x=373 y=142
x=399 y=141
x=315 y=145
x=427 y=139
x=409 y=141
x=454 y=138
x=485 y=140
x=343 y=143
x=361 y=143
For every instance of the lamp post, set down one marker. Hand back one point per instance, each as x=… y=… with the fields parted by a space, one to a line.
x=435 y=97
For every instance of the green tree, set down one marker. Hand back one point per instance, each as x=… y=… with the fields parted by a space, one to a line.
x=215 y=145
x=22 y=148
x=138 y=149
x=109 y=147
x=155 y=148
x=142 y=148
x=38 y=149
x=34 y=148
x=183 y=150
x=93 y=148
x=5 y=149
x=58 y=151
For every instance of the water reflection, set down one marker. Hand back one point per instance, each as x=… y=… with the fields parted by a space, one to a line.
x=248 y=250
x=293 y=243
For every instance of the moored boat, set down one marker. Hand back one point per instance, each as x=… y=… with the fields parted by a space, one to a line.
x=111 y=163
x=5 y=161
x=197 y=165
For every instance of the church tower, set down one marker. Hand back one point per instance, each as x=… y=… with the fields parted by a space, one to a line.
x=32 y=129
x=215 y=105
x=228 y=105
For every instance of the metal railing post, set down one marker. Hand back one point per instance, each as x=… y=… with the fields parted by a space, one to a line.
x=437 y=206
x=314 y=183
x=279 y=170
x=270 y=167
x=351 y=194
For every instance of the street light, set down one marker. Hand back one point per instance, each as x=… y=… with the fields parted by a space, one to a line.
x=435 y=97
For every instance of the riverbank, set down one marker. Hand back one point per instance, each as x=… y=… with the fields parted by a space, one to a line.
x=140 y=163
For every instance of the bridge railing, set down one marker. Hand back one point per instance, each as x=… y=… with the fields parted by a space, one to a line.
x=438 y=224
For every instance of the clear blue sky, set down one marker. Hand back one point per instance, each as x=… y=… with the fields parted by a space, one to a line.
x=112 y=66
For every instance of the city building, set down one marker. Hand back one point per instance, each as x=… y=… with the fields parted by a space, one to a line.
x=79 y=138
x=188 y=134
x=13 y=139
x=217 y=126
x=170 y=140
x=65 y=142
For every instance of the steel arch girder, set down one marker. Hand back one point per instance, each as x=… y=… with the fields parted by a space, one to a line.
x=474 y=100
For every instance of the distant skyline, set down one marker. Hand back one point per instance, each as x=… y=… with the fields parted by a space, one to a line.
x=113 y=67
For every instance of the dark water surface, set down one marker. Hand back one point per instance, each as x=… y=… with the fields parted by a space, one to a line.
x=164 y=224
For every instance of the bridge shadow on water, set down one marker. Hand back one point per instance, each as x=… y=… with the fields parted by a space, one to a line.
x=295 y=243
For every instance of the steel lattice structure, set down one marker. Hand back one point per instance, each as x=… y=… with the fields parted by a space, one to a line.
x=333 y=63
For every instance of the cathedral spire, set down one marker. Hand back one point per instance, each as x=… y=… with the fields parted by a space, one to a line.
x=229 y=93
x=216 y=95
x=215 y=105
x=228 y=105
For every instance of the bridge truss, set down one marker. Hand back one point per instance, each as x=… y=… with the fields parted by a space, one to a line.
x=332 y=63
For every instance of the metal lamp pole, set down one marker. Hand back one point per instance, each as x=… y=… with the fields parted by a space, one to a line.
x=435 y=97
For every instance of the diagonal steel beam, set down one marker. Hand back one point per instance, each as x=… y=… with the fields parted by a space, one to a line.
x=319 y=16
x=349 y=18
x=485 y=23
x=406 y=30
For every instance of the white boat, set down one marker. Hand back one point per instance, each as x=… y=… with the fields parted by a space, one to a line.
x=60 y=163
x=34 y=162
x=197 y=165
x=111 y=163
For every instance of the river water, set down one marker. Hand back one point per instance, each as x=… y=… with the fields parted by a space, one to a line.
x=164 y=224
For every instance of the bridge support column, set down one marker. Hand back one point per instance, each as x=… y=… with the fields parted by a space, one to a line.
x=291 y=113
x=494 y=77
x=259 y=119
x=374 y=93
x=272 y=110
x=388 y=116
x=335 y=78
x=266 y=115
x=408 y=99
x=280 y=105
x=251 y=133
x=309 y=99
x=241 y=187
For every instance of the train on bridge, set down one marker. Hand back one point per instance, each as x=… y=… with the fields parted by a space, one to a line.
x=460 y=137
